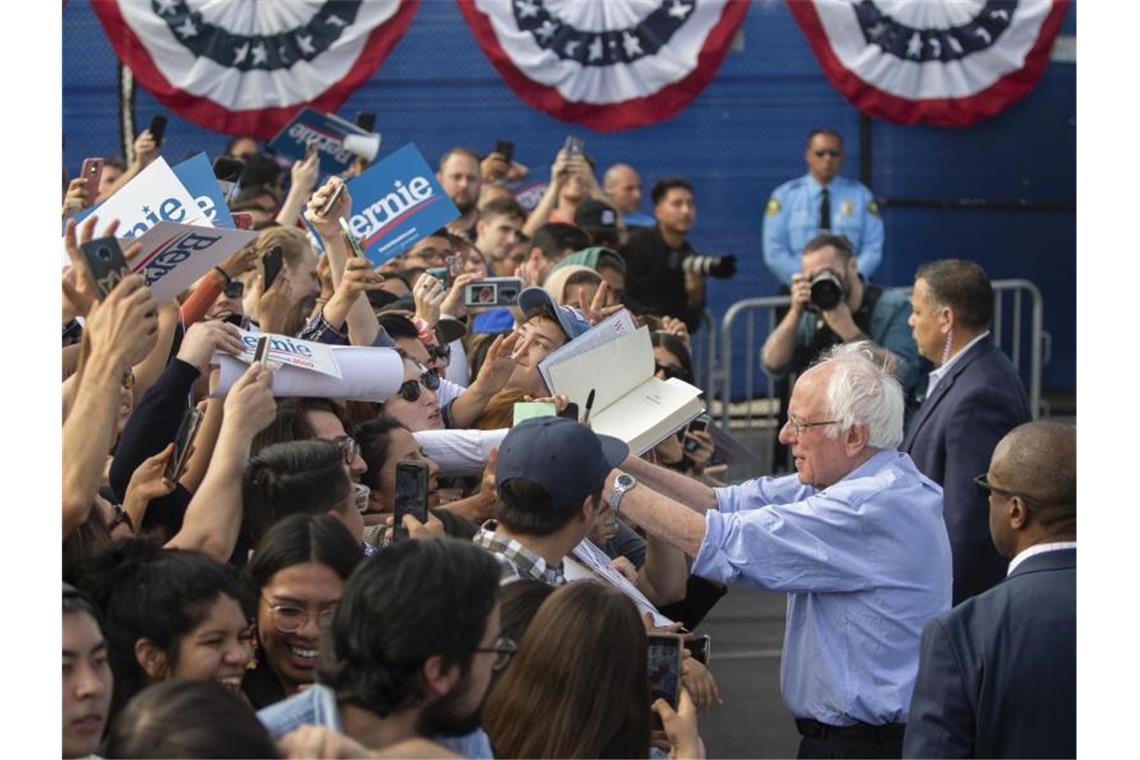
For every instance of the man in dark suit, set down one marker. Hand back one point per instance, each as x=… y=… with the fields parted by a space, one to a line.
x=997 y=675
x=973 y=398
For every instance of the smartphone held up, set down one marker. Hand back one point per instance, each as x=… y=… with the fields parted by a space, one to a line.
x=412 y=478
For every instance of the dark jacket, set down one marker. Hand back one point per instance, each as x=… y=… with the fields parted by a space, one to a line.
x=997 y=675
x=951 y=439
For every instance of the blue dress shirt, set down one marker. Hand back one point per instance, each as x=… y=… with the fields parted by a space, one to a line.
x=792 y=219
x=865 y=563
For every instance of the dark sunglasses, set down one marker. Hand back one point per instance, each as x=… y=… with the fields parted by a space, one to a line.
x=983 y=483
x=410 y=390
x=234 y=289
x=827 y=152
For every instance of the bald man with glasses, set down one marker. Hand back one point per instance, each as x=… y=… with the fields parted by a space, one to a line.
x=997 y=675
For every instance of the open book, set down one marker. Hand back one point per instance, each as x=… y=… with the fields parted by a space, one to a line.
x=608 y=329
x=629 y=402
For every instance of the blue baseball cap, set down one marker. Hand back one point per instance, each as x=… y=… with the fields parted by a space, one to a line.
x=572 y=321
x=565 y=457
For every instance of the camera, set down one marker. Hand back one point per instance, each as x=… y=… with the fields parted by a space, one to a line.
x=721 y=267
x=826 y=290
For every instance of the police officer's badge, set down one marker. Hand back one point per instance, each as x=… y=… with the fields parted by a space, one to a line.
x=773 y=206
x=846 y=208
x=873 y=208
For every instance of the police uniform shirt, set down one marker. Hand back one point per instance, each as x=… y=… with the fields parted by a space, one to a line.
x=792 y=219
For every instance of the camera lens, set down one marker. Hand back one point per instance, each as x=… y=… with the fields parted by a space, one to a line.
x=826 y=291
x=104 y=253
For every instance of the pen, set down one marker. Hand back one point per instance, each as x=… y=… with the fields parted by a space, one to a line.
x=589 y=405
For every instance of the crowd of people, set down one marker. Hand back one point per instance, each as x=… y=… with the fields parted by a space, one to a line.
x=256 y=598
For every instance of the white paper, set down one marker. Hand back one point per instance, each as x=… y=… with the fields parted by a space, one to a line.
x=611 y=328
x=293 y=352
x=174 y=256
x=368 y=374
x=598 y=562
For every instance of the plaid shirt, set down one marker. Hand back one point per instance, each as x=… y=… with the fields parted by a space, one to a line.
x=515 y=560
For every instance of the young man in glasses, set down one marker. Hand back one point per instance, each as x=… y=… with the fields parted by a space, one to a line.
x=821 y=201
x=412 y=647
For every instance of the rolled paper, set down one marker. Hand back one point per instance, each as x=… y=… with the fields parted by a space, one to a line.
x=367 y=374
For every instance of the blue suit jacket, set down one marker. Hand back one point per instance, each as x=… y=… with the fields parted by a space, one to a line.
x=997 y=675
x=951 y=439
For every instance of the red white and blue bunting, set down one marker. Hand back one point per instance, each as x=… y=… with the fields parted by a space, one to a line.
x=607 y=64
x=948 y=63
x=244 y=66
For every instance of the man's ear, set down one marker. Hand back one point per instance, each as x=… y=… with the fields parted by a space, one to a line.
x=1018 y=513
x=857 y=437
x=479 y=227
x=439 y=676
x=150 y=658
x=946 y=319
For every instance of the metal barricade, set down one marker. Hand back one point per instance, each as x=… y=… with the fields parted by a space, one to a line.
x=754 y=413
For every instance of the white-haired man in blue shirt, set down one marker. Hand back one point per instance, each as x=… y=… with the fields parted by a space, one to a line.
x=855 y=538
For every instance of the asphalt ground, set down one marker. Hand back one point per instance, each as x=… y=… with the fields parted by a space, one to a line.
x=747 y=631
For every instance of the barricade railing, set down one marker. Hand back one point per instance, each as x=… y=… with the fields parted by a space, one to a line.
x=749 y=411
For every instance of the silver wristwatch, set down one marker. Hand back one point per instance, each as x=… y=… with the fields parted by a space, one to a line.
x=624 y=482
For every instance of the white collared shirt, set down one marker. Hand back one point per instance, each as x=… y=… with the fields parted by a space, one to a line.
x=938 y=373
x=1053 y=546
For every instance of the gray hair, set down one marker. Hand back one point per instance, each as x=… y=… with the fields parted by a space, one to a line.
x=862 y=390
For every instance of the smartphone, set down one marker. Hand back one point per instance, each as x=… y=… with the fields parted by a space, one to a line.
x=271 y=264
x=664 y=651
x=353 y=241
x=91 y=172
x=700 y=424
x=242 y=220
x=574 y=146
x=442 y=274
x=157 y=129
x=330 y=204
x=105 y=261
x=366 y=120
x=261 y=353
x=411 y=495
x=506 y=149
x=493 y=292
x=186 y=432
x=700 y=648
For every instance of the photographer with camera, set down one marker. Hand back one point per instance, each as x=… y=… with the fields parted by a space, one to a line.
x=664 y=274
x=832 y=304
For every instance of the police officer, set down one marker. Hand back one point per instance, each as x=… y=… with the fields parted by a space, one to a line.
x=819 y=201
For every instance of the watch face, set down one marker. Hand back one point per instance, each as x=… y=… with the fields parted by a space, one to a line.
x=625 y=481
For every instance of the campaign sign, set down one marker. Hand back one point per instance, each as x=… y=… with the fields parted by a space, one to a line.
x=293 y=352
x=329 y=132
x=197 y=175
x=155 y=195
x=397 y=203
x=174 y=256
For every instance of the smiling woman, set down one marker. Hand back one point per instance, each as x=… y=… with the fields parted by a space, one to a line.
x=299 y=569
x=169 y=614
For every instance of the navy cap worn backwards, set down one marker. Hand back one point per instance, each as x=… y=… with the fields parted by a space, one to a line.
x=566 y=458
x=572 y=321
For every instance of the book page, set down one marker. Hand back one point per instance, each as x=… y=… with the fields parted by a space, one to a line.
x=647 y=414
x=608 y=329
x=612 y=369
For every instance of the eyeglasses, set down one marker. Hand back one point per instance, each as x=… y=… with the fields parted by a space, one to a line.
x=827 y=152
x=504 y=649
x=983 y=483
x=410 y=390
x=799 y=427
x=348 y=447
x=287 y=618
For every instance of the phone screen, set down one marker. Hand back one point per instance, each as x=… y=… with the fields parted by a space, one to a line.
x=700 y=424
x=271 y=264
x=574 y=146
x=442 y=274
x=104 y=259
x=186 y=432
x=664 y=653
x=411 y=494
x=330 y=204
x=506 y=149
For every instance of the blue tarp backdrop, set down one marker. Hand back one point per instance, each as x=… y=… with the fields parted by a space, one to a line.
x=738 y=140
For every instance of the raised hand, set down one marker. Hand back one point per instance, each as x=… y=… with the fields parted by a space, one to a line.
x=596 y=310
x=204 y=338
x=429 y=296
x=124 y=327
x=327 y=226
